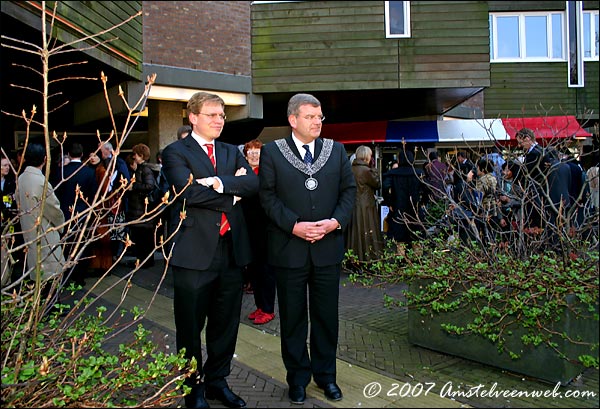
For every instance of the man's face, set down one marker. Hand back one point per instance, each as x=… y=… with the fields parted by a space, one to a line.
x=524 y=142
x=209 y=122
x=5 y=167
x=105 y=152
x=307 y=124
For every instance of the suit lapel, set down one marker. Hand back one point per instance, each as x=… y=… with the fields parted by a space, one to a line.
x=300 y=155
x=318 y=147
x=293 y=147
x=198 y=154
x=222 y=156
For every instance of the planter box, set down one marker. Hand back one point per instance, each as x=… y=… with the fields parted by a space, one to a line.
x=539 y=362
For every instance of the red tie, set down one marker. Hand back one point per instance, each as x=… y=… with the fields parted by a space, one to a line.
x=224 y=222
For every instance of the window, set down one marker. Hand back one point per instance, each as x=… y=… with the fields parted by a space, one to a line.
x=527 y=36
x=590 y=35
x=397 y=19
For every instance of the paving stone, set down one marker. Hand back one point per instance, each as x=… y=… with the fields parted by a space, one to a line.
x=374 y=337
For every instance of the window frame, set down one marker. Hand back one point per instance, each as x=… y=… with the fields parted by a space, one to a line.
x=594 y=48
x=406 y=20
x=575 y=68
x=522 y=39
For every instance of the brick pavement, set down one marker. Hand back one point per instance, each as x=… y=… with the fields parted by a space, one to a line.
x=374 y=338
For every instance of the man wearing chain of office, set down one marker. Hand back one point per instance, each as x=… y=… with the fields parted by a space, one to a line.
x=307 y=190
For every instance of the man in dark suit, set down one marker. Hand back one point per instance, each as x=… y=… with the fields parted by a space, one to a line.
x=546 y=181
x=210 y=248
x=76 y=174
x=307 y=203
x=463 y=190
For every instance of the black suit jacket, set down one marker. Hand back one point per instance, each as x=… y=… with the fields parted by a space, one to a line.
x=197 y=239
x=76 y=173
x=534 y=163
x=286 y=201
x=9 y=202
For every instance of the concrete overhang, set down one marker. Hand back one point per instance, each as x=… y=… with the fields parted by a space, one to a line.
x=175 y=84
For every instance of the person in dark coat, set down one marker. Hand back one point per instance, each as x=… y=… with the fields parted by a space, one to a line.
x=532 y=178
x=308 y=191
x=142 y=234
x=436 y=173
x=463 y=191
x=211 y=247
x=9 y=212
x=8 y=187
x=577 y=191
x=116 y=217
x=261 y=275
x=76 y=175
x=405 y=191
x=364 y=232
x=558 y=176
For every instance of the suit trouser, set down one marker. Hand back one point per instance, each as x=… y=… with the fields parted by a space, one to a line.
x=264 y=286
x=143 y=237
x=214 y=297
x=322 y=284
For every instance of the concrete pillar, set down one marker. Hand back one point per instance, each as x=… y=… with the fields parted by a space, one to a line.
x=164 y=117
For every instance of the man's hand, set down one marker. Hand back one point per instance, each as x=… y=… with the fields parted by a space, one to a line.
x=314 y=231
x=309 y=231
x=209 y=182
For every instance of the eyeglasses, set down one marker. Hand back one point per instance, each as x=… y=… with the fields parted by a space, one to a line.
x=213 y=117
x=311 y=118
x=249 y=153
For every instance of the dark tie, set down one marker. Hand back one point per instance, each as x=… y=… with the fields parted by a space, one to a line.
x=308 y=159
x=211 y=156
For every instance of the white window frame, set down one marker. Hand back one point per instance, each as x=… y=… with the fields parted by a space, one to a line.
x=591 y=34
x=406 y=22
x=575 y=44
x=522 y=40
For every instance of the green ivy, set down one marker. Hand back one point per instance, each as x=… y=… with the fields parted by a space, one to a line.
x=63 y=365
x=501 y=289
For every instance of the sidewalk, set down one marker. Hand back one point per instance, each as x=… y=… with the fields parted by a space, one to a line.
x=373 y=353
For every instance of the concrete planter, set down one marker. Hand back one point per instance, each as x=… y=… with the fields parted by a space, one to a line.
x=540 y=362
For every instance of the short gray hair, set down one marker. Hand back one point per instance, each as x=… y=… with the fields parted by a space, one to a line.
x=301 y=99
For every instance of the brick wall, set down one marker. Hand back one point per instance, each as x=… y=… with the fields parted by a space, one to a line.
x=201 y=35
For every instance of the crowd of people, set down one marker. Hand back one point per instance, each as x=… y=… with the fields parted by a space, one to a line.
x=283 y=214
x=492 y=197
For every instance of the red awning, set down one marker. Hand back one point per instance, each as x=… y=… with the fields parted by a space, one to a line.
x=546 y=127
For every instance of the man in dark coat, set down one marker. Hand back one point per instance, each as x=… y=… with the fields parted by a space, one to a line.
x=210 y=248
x=404 y=192
x=577 y=189
x=463 y=191
x=546 y=181
x=76 y=174
x=308 y=202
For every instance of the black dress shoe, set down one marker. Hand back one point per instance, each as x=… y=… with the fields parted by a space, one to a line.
x=196 y=399
x=332 y=391
x=225 y=396
x=297 y=394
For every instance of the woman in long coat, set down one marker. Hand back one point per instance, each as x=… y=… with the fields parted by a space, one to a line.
x=364 y=232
